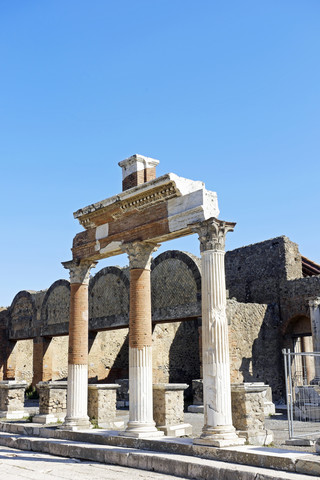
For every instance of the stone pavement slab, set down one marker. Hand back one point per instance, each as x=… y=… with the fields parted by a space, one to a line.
x=185 y=466
x=21 y=465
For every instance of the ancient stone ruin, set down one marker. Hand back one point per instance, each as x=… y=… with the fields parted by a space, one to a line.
x=166 y=319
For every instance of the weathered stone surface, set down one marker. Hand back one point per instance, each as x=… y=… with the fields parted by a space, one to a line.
x=12 y=399
x=168 y=403
x=52 y=397
x=102 y=402
x=255 y=350
x=248 y=412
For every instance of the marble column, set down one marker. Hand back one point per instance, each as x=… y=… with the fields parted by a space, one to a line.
x=141 y=423
x=77 y=393
x=315 y=328
x=218 y=430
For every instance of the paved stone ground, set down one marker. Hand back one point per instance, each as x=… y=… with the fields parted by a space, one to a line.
x=22 y=464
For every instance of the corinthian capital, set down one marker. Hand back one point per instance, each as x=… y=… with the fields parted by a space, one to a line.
x=212 y=233
x=79 y=272
x=139 y=253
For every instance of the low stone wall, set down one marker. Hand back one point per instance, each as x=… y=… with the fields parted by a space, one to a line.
x=248 y=403
x=102 y=400
x=168 y=409
x=52 y=402
x=12 y=399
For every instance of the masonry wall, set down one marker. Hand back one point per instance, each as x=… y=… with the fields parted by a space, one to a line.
x=254 y=273
x=295 y=295
x=255 y=345
x=266 y=290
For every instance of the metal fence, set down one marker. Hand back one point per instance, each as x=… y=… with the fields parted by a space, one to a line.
x=302 y=372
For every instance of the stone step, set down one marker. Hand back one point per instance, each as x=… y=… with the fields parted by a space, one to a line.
x=166 y=463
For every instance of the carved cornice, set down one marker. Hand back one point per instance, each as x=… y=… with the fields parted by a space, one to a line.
x=140 y=202
x=79 y=272
x=139 y=253
x=134 y=203
x=212 y=233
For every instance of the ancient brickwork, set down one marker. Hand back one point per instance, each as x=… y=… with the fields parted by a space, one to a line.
x=176 y=286
x=55 y=309
x=109 y=299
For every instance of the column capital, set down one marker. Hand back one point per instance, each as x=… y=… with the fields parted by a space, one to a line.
x=79 y=272
x=139 y=253
x=314 y=303
x=212 y=233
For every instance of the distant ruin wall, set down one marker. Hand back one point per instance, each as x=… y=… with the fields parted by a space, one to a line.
x=254 y=273
x=295 y=296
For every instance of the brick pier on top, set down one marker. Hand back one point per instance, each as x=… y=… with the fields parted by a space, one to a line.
x=149 y=211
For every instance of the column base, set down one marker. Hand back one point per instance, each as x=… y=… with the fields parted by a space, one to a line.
x=196 y=409
x=179 y=430
x=257 y=437
x=49 y=418
x=224 y=436
x=74 y=424
x=141 y=430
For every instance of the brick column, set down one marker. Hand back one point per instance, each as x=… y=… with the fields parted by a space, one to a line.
x=42 y=360
x=141 y=423
x=218 y=429
x=77 y=394
x=315 y=328
x=10 y=363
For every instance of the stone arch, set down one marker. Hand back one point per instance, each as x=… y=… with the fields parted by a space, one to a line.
x=109 y=299
x=299 y=324
x=176 y=296
x=175 y=286
x=298 y=338
x=55 y=309
x=22 y=315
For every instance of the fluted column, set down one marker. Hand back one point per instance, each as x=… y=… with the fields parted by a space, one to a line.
x=141 y=423
x=218 y=429
x=315 y=328
x=77 y=394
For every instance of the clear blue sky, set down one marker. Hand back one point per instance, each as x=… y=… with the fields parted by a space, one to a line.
x=222 y=91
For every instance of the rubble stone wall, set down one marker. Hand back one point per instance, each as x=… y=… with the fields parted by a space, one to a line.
x=254 y=273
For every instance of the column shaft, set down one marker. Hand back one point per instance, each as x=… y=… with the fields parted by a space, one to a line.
x=216 y=364
x=141 y=421
x=218 y=429
x=315 y=328
x=77 y=394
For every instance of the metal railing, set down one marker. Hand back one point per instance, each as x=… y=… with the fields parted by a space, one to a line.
x=303 y=393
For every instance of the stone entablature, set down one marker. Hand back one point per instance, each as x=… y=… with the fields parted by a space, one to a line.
x=156 y=211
